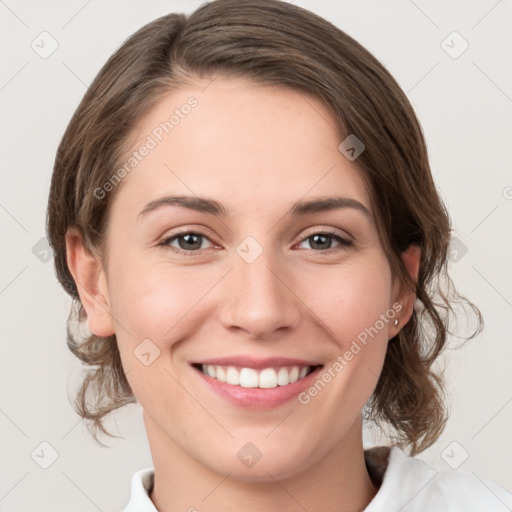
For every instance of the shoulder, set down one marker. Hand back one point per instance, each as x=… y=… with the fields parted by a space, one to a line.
x=410 y=485
x=141 y=487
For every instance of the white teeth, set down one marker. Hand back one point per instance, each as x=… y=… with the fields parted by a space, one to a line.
x=248 y=378
x=294 y=375
x=233 y=376
x=268 y=378
x=221 y=374
x=251 y=378
x=282 y=377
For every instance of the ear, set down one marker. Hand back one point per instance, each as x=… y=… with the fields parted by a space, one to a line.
x=403 y=295
x=90 y=278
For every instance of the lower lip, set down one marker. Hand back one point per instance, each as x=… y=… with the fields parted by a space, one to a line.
x=259 y=398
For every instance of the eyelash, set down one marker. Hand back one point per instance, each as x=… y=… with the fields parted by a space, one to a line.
x=343 y=242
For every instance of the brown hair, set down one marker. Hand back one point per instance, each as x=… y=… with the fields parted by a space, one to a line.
x=275 y=43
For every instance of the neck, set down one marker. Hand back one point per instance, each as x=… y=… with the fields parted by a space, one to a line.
x=337 y=482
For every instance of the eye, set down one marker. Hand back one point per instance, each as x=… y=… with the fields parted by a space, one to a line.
x=192 y=242
x=322 y=241
x=187 y=241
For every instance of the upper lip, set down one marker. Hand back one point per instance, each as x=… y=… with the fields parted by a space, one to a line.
x=256 y=363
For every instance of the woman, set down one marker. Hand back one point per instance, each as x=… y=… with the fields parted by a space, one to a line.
x=243 y=209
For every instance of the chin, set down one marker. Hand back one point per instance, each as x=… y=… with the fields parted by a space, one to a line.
x=261 y=461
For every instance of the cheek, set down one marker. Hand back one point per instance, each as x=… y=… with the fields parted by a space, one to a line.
x=351 y=299
x=151 y=299
x=156 y=306
x=162 y=302
x=355 y=306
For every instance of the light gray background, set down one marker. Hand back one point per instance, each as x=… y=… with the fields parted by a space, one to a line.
x=465 y=106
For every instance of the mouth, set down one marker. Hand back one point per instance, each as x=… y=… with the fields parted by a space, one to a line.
x=257 y=383
x=265 y=378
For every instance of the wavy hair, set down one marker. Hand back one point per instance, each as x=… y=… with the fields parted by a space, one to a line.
x=274 y=43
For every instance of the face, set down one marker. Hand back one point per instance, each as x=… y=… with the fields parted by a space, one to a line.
x=253 y=313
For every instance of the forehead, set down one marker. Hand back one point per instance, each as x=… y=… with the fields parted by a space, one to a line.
x=246 y=144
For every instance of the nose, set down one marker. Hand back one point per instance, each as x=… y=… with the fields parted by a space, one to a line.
x=259 y=299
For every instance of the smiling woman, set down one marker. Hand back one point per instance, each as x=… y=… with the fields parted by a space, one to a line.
x=269 y=275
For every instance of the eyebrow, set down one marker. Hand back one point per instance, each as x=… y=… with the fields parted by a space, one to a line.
x=207 y=205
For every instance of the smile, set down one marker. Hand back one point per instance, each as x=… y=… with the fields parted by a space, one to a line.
x=253 y=378
x=257 y=382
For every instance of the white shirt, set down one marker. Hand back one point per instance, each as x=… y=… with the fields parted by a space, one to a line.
x=408 y=485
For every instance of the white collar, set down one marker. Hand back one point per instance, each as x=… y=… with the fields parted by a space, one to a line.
x=408 y=485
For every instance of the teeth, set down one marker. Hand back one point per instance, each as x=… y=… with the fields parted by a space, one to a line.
x=232 y=376
x=283 y=377
x=251 y=378
x=248 y=378
x=221 y=374
x=294 y=375
x=268 y=378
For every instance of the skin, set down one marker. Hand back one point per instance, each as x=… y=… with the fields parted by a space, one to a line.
x=256 y=150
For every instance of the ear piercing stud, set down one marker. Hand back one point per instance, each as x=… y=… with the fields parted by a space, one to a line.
x=396 y=322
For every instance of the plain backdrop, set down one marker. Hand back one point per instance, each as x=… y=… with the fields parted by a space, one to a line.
x=463 y=98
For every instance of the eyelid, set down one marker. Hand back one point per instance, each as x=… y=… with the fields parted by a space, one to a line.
x=345 y=235
x=185 y=230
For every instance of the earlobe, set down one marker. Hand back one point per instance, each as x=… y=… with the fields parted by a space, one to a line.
x=89 y=275
x=405 y=296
